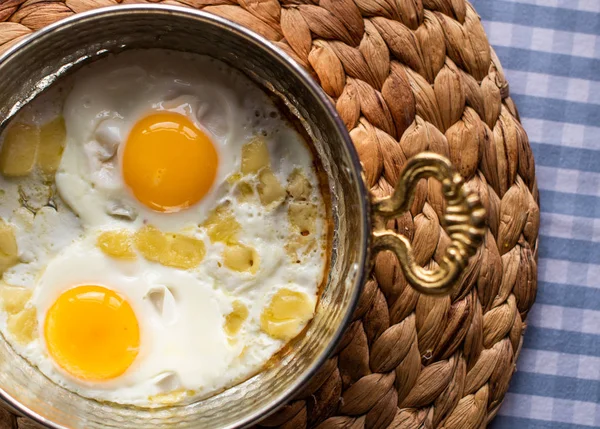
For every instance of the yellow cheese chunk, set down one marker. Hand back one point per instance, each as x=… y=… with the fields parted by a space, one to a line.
x=151 y=243
x=53 y=137
x=23 y=325
x=269 y=189
x=235 y=319
x=9 y=253
x=238 y=257
x=298 y=186
x=184 y=252
x=255 y=156
x=222 y=226
x=118 y=244
x=303 y=217
x=14 y=299
x=286 y=314
x=171 y=250
x=19 y=149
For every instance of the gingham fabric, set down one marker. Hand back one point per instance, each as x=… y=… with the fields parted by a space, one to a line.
x=550 y=50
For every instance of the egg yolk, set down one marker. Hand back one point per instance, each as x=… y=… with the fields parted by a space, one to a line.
x=92 y=333
x=168 y=163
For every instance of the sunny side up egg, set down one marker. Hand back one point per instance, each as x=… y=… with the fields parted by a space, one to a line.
x=138 y=328
x=163 y=231
x=155 y=140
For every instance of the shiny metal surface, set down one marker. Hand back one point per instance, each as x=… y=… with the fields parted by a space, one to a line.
x=37 y=62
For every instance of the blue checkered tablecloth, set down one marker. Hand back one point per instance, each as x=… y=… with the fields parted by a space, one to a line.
x=550 y=50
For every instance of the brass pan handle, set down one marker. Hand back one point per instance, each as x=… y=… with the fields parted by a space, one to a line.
x=464 y=221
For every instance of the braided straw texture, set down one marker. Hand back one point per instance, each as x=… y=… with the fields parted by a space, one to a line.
x=406 y=76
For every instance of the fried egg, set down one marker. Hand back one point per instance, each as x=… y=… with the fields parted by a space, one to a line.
x=126 y=330
x=153 y=142
x=163 y=231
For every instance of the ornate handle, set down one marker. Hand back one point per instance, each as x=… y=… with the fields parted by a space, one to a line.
x=464 y=221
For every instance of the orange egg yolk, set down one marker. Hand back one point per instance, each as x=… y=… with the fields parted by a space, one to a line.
x=92 y=333
x=168 y=163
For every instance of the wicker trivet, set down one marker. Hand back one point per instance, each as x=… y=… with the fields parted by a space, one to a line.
x=406 y=76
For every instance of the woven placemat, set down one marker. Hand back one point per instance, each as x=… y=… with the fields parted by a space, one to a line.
x=406 y=76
